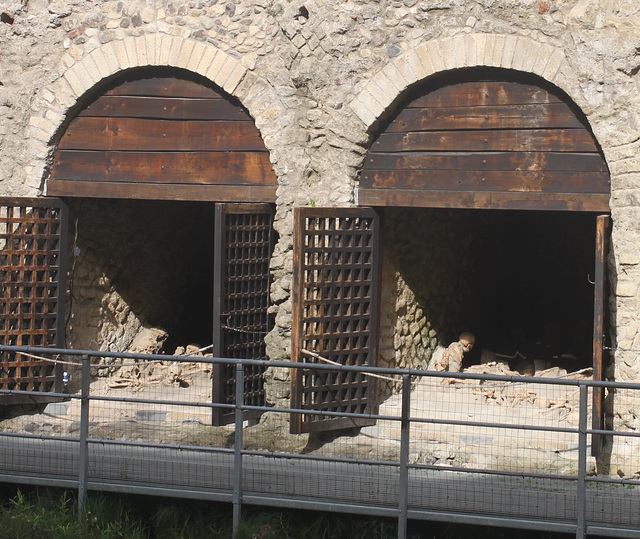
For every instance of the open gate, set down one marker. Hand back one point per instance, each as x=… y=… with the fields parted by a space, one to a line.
x=335 y=314
x=243 y=245
x=33 y=241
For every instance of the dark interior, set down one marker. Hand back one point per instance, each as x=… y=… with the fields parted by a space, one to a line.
x=159 y=257
x=521 y=281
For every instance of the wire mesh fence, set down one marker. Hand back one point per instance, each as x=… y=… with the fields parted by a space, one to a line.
x=511 y=449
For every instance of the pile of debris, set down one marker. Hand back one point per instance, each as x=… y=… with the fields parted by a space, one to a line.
x=138 y=374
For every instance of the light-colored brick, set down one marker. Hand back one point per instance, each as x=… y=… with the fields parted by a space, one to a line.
x=425 y=58
x=92 y=68
x=130 y=46
x=196 y=56
x=101 y=62
x=109 y=53
x=489 y=46
x=206 y=60
x=448 y=53
x=385 y=99
x=141 y=50
x=235 y=77
x=71 y=76
x=498 y=49
x=174 y=50
x=520 y=52
x=416 y=65
x=121 y=54
x=362 y=112
x=370 y=102
x=163 y=49
x=225 y=70
x=553 y=67
x=405 y=70
x=532 y=54
x=216 y=64
x=471 y=49
x=396 y=78
x=385 y=84
x=151 y=46
x=185 y=53
x=435 y=54
x=460 y=50
x=509 y=50
x=543 y=58
x=481 y=44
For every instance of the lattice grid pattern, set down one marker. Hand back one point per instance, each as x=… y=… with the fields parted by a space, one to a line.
x=247 y=244
x=337 y=313
x=31 y=254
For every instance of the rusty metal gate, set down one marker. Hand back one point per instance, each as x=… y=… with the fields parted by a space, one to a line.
x=243 y=245
x=335 y=314
x=33 y=236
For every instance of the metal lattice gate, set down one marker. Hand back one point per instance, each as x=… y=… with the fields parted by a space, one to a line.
x=335 y=314
x=32 y=277
x=243 y=245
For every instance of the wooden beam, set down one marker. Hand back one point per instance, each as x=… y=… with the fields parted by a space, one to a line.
x=469 y=94
x=229 y=168
x=512 y=161
x=131 y=134
x=489 y=180
x=483 y=200
x=216 y=193
x=541 y=140
x=531 y=116
x=172 y=108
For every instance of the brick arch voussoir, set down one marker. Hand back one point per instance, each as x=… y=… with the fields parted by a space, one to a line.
x=517 y=53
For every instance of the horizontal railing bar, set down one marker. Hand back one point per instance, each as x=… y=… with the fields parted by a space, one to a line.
x=506 y=473
x=152 y=445
x=302 y=456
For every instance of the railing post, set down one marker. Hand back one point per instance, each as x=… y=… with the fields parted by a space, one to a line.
x=581 y=508
x=237 y=450
x=403 y=483
x=83 y=456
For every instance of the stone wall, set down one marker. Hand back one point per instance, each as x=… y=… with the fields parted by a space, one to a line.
x=317 y=77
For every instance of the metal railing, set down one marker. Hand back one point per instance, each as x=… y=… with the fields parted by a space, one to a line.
x=474 y=448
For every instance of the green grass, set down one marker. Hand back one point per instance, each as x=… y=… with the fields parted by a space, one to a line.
x=44 y=513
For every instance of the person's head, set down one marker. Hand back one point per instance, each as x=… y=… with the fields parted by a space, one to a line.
x=468 y=340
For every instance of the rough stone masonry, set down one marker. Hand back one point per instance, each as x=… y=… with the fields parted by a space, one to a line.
x=310 y=73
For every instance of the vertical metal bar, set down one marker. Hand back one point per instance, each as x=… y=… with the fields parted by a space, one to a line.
x=219 y=369
x=581 y=509
x=403 y=483
x=83 y=457
x=237 y=451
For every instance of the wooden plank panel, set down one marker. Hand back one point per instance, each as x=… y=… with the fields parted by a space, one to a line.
x=489 y=180
x=483 y=200
x=164 y=86
x=552 y=161
x=160 y=135
x=536 y=116
x=471 y=94
x=543 y=140
x=149 y=191
x=165 y=108
x=236 y=168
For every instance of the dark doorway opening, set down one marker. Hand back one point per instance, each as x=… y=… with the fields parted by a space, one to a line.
x=141 y=263
x=521 y=281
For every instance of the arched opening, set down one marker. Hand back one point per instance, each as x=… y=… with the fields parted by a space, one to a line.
x=490 y=183
x=170 y=190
